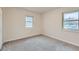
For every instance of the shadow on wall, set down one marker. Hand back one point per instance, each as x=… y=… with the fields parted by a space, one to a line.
x=0 y=28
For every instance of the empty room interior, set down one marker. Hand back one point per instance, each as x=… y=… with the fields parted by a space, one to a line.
x=39 y=29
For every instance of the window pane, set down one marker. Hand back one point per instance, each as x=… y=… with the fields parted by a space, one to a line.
x=29 y=18
x=71 y=16
x=28 y=21
x=71 y=24
x=29 y=24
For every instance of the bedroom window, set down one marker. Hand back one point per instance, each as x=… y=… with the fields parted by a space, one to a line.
x=71 y=20
x=29 y=21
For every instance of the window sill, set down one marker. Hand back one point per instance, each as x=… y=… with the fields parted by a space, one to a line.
x=29 y=27
x=68 y=30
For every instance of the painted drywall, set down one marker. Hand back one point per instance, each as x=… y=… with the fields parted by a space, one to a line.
x=0 y=28
x=52 y=26
x=14 y=24
x=49 y=24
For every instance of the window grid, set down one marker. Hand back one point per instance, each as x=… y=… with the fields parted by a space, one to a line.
x=74 y=20
x=29 y=21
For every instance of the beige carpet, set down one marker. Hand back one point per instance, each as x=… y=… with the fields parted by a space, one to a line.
x=39 y=43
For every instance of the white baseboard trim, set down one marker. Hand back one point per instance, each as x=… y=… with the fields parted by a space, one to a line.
x=44 y=35
x=62 y=40
x=19 y=38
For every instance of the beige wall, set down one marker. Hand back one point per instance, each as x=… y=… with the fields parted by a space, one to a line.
x=52 y=26
x=0 y=28
x=49 y=24
x=14 y=24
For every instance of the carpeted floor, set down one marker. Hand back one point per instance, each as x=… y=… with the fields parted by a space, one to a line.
x=39 y=43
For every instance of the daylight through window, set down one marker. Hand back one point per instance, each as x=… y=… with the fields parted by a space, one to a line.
x=71 y=20
x=29 y=21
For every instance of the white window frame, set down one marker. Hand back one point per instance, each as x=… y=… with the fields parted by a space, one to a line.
x=26 y=21
x=73 y=30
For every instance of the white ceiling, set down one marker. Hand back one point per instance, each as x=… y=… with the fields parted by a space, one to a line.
x=40 y=9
